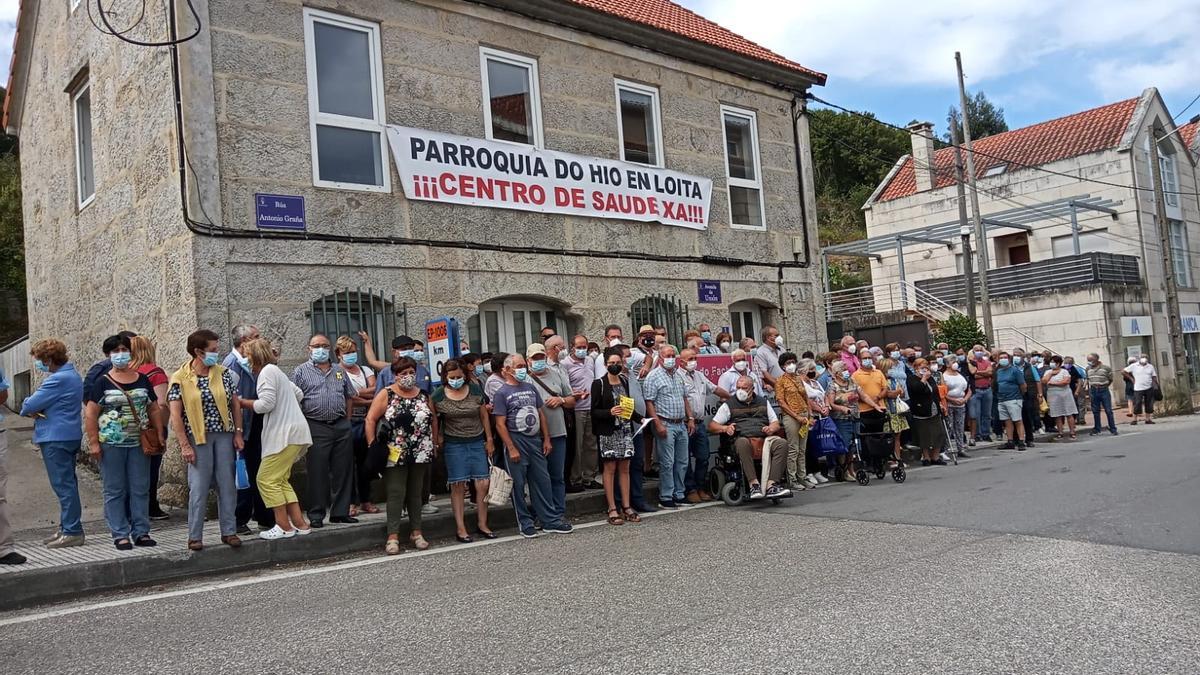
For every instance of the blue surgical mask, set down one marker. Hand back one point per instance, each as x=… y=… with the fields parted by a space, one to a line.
x=419 y=356
x=37 y=363
x=867 y=363
x=962 y=358
x=941 y=361
x=581 y=353
x=120 y=359
x=706 y=336
x=1004 y=363
x=320 y=355
x=631 y=363
x=456 y=382
x=406 y=353
x=350 y=359
x=1017 y=360
x=820 y=369
x=479 y=370
x=538 y=366
x=845 y=374
x=894 y=355
x=211 y=358
x=521 y=374
x=244 y=363
x=669 y=362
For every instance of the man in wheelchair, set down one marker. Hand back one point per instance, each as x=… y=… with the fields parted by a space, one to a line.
x=753 y=424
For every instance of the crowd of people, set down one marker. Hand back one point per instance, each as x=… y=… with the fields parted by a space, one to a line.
x=559 y=417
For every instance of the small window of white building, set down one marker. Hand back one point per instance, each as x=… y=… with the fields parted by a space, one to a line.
x=639 y=123
x=1092 y=240
x=1180 y=255
x=995 y=170
x=512 y=109
x=85 y=176
x=1170 y=179
x=345 y=102
x=740 y=129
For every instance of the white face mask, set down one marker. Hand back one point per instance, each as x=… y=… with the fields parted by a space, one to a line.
x=742 y=395
x=725 y=346
x=614 y=342
x=779 y=341
x=1143 y=360
x=690 y=366
x=740 y=366
x=790 y=368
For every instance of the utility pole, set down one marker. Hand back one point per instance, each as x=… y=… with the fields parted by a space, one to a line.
x=963 y=227
x=1174 y=327
x=980 y=234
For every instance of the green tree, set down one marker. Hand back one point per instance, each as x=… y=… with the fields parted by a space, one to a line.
x=13 y=324
x=987 y=118
x=959 y=331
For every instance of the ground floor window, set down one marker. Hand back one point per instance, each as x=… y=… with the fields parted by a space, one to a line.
x=746 y=320
x=509 y=326
x=349 y=311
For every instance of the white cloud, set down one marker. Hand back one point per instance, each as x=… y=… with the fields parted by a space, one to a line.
x=1175 y=70
x=8 y=27
x=886 y=43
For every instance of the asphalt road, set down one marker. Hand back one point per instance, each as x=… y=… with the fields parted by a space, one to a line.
x=1072 y=558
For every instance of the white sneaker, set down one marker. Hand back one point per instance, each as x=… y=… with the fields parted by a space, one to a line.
x=945 y=457
x=820 y=479
x=429 y=509
x=276 y=532
x=810 y=482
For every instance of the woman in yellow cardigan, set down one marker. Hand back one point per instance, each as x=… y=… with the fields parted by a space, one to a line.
x=206 y=415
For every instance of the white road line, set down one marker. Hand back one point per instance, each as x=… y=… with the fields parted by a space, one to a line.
x=293 y=574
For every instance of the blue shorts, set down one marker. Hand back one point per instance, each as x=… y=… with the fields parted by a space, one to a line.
x=466 y=460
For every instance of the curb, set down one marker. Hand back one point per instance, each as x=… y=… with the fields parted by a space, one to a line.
x=39 y=586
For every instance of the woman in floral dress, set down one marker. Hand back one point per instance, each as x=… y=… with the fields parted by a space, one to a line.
x=409 y=422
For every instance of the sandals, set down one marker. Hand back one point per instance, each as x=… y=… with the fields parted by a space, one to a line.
x=123 y=544
x=614 y=518
x=368 y=507
x=392 y=547
x=419 y=542
x=353 y=510
x=632 y=516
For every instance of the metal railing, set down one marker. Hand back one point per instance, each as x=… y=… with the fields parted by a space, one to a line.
x=346 y=312
x=893 y=297
x=1010 y=338
x=661 y=309
x=1037 y=277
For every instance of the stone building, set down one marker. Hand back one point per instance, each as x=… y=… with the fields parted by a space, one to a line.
x=246 y=176
x=1097 y=286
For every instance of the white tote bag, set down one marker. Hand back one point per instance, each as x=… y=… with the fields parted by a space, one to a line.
x=501 y=487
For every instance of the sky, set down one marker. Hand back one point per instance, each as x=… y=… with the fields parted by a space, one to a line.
x=1037 y=59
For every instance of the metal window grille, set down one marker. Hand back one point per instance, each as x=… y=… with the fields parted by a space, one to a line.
x=661 y=310
x=348 y=311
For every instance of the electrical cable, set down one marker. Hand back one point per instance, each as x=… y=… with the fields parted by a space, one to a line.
x=175 y=40
x=1185 y=108
x=1003 y=159
x=95 y=25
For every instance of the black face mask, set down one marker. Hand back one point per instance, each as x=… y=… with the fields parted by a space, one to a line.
x=811 y=375
x=911 y=359
x=614 y=368
x=648 y=342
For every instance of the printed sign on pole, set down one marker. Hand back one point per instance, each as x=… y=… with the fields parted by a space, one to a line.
x=441 y=345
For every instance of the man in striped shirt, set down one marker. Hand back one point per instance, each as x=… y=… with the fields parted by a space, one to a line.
x=667 y=405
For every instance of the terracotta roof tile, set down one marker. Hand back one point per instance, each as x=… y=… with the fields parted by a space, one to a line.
x=668 y=16
x=1187 y=133
x=1079 y=134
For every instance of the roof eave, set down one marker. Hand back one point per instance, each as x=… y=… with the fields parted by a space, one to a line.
x=887 y=180
x=18 y=70
x=640 y=35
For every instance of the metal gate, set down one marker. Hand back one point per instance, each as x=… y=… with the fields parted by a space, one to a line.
x=346 y=312
x=664 y=310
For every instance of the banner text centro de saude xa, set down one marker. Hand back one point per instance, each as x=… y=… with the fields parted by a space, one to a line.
x=462 y=170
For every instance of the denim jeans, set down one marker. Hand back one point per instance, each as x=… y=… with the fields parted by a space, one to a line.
x=531 y=470
x=980 y=410
x=697 y=471
x=60 y=469
x=672 y=451
x=556 y=465
x=1102 y=400
x=214 y=462
x=125 y=470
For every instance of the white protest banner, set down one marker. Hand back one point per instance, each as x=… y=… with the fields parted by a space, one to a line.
x=462 y=170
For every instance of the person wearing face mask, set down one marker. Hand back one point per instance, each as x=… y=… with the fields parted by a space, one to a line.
x=520 y=418
x=699 y=388
x=580 y=369
x=1059 y=396
x=472 y=369
x=667 y=405
x=1031 y=399
x=846 y=401
x=979 y=409
x=793 y=399
x=848 y=353
x=328 y=404
x=1078 y=387
x=144 y=362
x=1128 y=385
x=206 y=416
x=99 y=368
x=411 y=427
x=495 y=375
x=613 y=336
x=558 y=402
x=724 y=342
x=706 y=335
x=466 y=442
x=1010 y=391
x=876 y=391
x=740 y=366
x=56 y=411
x=958 y=392
x=249 y=502
x=925 y=405
x=614 y=435
x=362 y=377
x=402 y=346
x=751 y=420
x=766 y=359
x=1100 y=380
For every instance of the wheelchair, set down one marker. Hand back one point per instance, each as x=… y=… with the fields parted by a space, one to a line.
x=727 y=480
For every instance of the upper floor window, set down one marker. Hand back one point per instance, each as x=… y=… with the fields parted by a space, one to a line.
x=742 y=167
x=1166 y=165
x=1180 y=253
x=638 y=123
x=512 y=108
x=345 y=102
x=85 y=177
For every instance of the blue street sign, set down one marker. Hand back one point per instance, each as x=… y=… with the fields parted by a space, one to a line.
x=709 y=292
x=279 y=212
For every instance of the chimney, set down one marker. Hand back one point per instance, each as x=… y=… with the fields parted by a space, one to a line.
x=922 y=153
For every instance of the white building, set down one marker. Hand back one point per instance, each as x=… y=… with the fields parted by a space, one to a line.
x=1100 y=288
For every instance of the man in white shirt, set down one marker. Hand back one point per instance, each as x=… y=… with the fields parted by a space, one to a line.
x=740 y=367
x=1145 y=383
x=751 y=420
x=699 y=387
x=766 y=359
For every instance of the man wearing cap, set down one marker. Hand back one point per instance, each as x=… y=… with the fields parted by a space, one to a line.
x=556 y=402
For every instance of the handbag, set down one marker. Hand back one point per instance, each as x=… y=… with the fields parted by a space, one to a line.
x=500 y=488
x=241 y=474
x=901 y=406
x=1044 y=407
x=376 y=458
x=829 y=441
x=1158 y=395
x=151 y=443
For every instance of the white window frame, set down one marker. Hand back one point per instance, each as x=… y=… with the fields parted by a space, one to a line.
x=316 y=117
x=81 y=201
x=1180 y=254
x=535 y=93
x=656 y=112
x=742 y=182
x=1168 y=169
x=738 y=312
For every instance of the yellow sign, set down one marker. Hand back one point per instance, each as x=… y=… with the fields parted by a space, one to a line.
x=626 y=404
